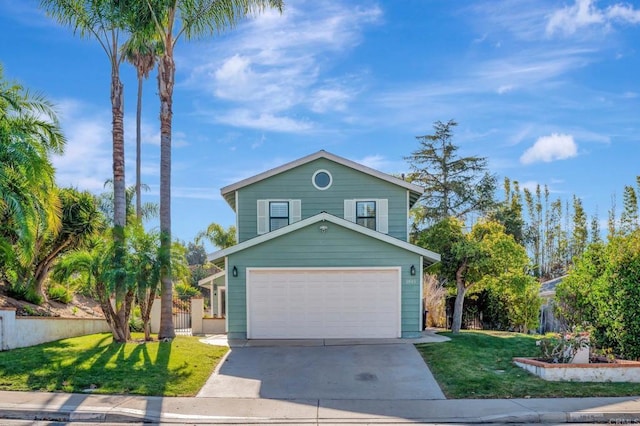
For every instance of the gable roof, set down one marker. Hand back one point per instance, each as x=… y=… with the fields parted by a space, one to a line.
x=429 y=256
x=228 y=192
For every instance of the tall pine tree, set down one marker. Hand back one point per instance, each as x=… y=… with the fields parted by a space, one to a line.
x=455 y=186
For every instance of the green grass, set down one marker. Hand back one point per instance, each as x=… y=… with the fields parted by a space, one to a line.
x=178 y=368
x=479 y=365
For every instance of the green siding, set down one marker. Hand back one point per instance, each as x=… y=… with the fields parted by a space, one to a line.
x=337 y=247
x=347 y=184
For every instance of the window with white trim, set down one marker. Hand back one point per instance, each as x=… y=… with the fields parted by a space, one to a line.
x=366 y=214
x=371 y=213
x=276 y=214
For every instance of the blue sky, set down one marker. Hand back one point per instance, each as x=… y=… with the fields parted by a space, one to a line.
x=548 y=90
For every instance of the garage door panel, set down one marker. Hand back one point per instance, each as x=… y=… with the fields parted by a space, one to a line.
x=323 y=303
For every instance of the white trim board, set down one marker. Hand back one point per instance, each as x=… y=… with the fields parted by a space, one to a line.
x=228 y=190
x=430 y=256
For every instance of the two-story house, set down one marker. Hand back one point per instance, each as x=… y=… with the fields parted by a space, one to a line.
x=322 y=252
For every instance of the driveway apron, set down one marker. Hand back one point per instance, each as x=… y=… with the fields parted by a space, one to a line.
x=392 y=371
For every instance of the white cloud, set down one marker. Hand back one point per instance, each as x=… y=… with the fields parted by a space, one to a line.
x=624 y=13
x=585 y=13
x=505 y=89
x=329 y=99
x=276 y=65
x=520 y=135
x=377 y=161
x=263 y=121
x=554 y=147
x=529 y=185
x=87 y=160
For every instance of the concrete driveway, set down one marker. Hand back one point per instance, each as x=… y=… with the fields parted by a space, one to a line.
x=323 y=369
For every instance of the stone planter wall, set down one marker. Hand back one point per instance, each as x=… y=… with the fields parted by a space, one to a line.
x=621 y=371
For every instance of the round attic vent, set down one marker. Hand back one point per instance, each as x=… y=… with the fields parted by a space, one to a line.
x=322 y=179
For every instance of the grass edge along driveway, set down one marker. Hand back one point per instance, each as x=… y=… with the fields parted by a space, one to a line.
x=478 y=364
x=95 y=363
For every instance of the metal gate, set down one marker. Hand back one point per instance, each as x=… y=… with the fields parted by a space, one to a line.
x=182 y=316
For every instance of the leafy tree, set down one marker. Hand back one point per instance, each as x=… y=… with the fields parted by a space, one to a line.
x=611 y=220
x=509 y=212
x=601 y=292
x=580 y=293
x=103 y=21
x=196 y=255
x=173 y=20
x=218 y=236
x=580 y=233
x=623 y=275
x=468 y=259
x=629 y=216
x=454 y=186
x=595 y=229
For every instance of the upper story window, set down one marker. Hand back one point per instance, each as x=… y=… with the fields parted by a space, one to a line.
x=366 y=214
x=370 y=213
x=322 y=179
x=278 y=214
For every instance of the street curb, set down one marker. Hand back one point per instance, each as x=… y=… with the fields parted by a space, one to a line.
x=133 y=415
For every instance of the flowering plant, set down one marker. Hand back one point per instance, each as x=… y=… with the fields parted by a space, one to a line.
x=561 y=348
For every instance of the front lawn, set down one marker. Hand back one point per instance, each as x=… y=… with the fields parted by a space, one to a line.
x=179 y=368
x=478 y=364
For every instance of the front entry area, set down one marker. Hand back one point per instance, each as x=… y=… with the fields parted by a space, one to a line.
x=318 y=303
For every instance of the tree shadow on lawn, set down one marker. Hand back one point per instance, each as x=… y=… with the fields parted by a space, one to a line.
x=47 y=367
x=101 y=367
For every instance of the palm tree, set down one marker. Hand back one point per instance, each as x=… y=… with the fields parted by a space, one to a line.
x=148 y=210
x=80 y=220
x=30 y=133
x=218 y=236
x=94 y=263
x=143 y=259
x=140 y=52
x=191 y=19
x=103 y=20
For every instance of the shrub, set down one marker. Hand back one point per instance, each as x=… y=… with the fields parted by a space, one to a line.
x=22 y=292
x=561 y=348
x=59 y=293
x=434 y=300
x=186 y=291
x=602 y=293
x=135 y=320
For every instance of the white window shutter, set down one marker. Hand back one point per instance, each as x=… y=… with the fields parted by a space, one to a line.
x=295 y=211
x=263 y=217
x=350 y=210
x=382 y=216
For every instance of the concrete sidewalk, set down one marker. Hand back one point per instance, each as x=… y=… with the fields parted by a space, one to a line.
x=118 y=409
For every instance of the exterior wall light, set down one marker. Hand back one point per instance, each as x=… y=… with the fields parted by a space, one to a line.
x=412 y=270
x=234 y=271
x=323 y=228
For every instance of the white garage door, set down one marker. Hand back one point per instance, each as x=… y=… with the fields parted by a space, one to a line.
x=323 y=303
